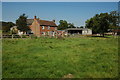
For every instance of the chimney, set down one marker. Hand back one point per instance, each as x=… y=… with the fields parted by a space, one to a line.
x=34 y=17
x=53 y=20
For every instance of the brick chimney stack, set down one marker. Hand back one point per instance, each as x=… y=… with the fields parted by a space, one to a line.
x=34 y=17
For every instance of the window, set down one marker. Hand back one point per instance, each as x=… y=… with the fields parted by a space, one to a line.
x=43 y=27
x=48 y=27
x=55 y=28
x=87 y=31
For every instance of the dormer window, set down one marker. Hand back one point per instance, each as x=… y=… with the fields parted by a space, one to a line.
x=43 y=27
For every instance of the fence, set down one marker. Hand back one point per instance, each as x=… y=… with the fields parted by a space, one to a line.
x=33 y=36
x=15 y=36
x=27 y=36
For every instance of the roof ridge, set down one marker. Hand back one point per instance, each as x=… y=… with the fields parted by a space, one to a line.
x=40 y=19
x=42 y=22
x=46 y=20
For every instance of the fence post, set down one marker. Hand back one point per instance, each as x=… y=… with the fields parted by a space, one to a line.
x=30 y=36
x=1 y=36
x=21 y=36
x=56 y=34
x=12 y=36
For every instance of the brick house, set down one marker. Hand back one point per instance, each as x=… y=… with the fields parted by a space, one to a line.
x=41 y=27
x=116 y=31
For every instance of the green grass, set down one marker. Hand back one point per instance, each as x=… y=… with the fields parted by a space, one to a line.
x=87 y=57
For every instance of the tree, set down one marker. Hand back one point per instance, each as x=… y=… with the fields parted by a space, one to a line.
x=63 y=25
x=6 y=26
x=114 y=19
x=81 y=27
x=71 y=25
x=21 y=23
x=99 y=23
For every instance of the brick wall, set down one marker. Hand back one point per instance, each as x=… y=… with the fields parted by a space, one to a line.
x=47 y=30
x=39 y=30
x=35 y=28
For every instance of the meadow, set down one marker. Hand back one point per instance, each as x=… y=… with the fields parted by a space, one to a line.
x=86 y=57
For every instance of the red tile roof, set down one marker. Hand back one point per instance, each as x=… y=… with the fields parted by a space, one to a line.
x=30 y=21
x=116 y=30
x=48 y=23
x=42 y=22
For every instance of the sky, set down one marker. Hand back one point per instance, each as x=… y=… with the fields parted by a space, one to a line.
x=59 y=0
x=72 y=12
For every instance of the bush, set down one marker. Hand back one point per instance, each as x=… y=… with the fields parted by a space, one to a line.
x=33 y=36
x=23 y=36
x=16 y=36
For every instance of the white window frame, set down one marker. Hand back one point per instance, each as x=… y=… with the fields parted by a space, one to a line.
x=55 y=28
x=43 y=27
x=48 y=27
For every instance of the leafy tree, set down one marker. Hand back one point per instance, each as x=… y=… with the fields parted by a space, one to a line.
x=71 y=25
x=99 y=23
x=6 y=26
x=63 y=25
x=21 y=23
x=114 y=16
x=81 y=27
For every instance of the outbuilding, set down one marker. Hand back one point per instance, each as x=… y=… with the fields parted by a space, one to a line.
x=82 y=31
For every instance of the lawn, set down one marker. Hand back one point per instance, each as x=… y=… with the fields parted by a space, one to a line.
x=87 y=57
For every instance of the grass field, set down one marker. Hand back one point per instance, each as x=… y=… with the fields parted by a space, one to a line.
x=88 y=57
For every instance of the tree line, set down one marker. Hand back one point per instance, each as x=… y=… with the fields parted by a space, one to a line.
x=100 y=23
x=6 y=26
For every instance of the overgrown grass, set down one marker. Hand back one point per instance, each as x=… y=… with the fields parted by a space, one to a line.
x=53 y=58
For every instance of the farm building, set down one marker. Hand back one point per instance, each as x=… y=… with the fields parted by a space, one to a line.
x=82 y=31
x=14 y=30
x=41 y=27
x=116 y=31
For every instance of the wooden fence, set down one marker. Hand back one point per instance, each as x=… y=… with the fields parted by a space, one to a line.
x=32 y=36
x=15 y=36
x=27 y=36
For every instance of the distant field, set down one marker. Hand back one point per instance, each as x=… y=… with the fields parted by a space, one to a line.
x=54 y=58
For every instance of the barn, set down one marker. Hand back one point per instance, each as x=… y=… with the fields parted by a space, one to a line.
x=82 y=31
